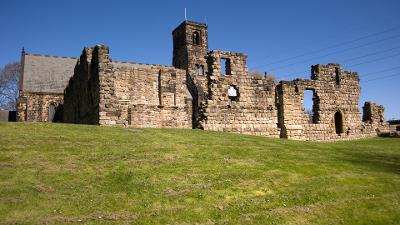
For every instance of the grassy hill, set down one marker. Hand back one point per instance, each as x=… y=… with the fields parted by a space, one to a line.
x=67 y=174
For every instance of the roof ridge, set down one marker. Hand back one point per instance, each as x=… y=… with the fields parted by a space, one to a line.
x=138 y=63
x=50 y=56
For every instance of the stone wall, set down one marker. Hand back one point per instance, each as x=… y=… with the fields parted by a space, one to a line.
x=394 y=128
x=374 y=115
x=34 y=107
x=127 y=94
x=335 y=113
x=147 y=97
x=237 y=101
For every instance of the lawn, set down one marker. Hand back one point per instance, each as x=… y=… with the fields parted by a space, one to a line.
x=78 y=174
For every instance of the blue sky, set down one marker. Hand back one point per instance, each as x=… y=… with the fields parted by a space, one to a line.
x=283 y=37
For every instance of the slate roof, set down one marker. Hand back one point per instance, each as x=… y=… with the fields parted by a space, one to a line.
x=50 y=74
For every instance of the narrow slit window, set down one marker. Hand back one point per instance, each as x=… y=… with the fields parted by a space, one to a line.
x=337 y=76
x=225 y=66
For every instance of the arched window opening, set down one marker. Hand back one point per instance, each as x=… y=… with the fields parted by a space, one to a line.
x=338 y=123
x=196 y=38
x=233 y=93
x=52 y=112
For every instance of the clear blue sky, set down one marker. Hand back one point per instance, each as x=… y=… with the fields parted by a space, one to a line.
x=363 y=35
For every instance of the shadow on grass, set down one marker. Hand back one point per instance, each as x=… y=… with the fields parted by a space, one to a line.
x=388 y=162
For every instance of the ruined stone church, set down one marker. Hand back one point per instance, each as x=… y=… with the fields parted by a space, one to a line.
x=210 y=90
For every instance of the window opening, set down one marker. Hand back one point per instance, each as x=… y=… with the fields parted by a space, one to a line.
x=233 y=93
x=225 y=66
x=199 y=69
x=196 y=38
x=338 y=123
x=310 y=105
x=337 y=76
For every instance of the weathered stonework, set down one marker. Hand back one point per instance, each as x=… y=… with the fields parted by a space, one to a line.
x=210 y=90
x=126 y=94
x=336 y=113
x=251 y=111
x=35 y=107
x=394 y=128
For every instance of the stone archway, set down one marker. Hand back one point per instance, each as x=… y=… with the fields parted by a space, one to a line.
x=51 y=112
x=338 y=119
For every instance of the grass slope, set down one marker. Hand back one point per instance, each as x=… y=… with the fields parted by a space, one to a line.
x=61 y=174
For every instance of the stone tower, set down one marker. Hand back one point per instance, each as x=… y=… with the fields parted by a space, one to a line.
x=190 y=47
x=190 y=44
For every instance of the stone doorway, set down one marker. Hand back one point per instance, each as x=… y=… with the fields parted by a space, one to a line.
x=52 y=112
x=338 y=123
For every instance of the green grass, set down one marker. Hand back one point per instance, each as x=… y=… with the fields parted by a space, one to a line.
x=67 y=174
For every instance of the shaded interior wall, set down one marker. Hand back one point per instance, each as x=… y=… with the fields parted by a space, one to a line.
x=335 y=91
x=252 y=111
x=34 y=107
x=81 y=96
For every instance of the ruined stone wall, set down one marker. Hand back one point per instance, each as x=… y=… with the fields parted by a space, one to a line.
x=155 y=96
x=335 y=112
x=81 y=104
x=34 y=107
x=236 y=101
x=126 y=94
x=394 y=128
x=374 y=115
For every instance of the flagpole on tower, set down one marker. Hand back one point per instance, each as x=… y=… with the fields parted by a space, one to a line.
x=185 y=15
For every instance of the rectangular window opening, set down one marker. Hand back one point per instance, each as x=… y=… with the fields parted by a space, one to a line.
x=310 y=105
x=337 y=76
x=225 y=66
x=199 y=69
